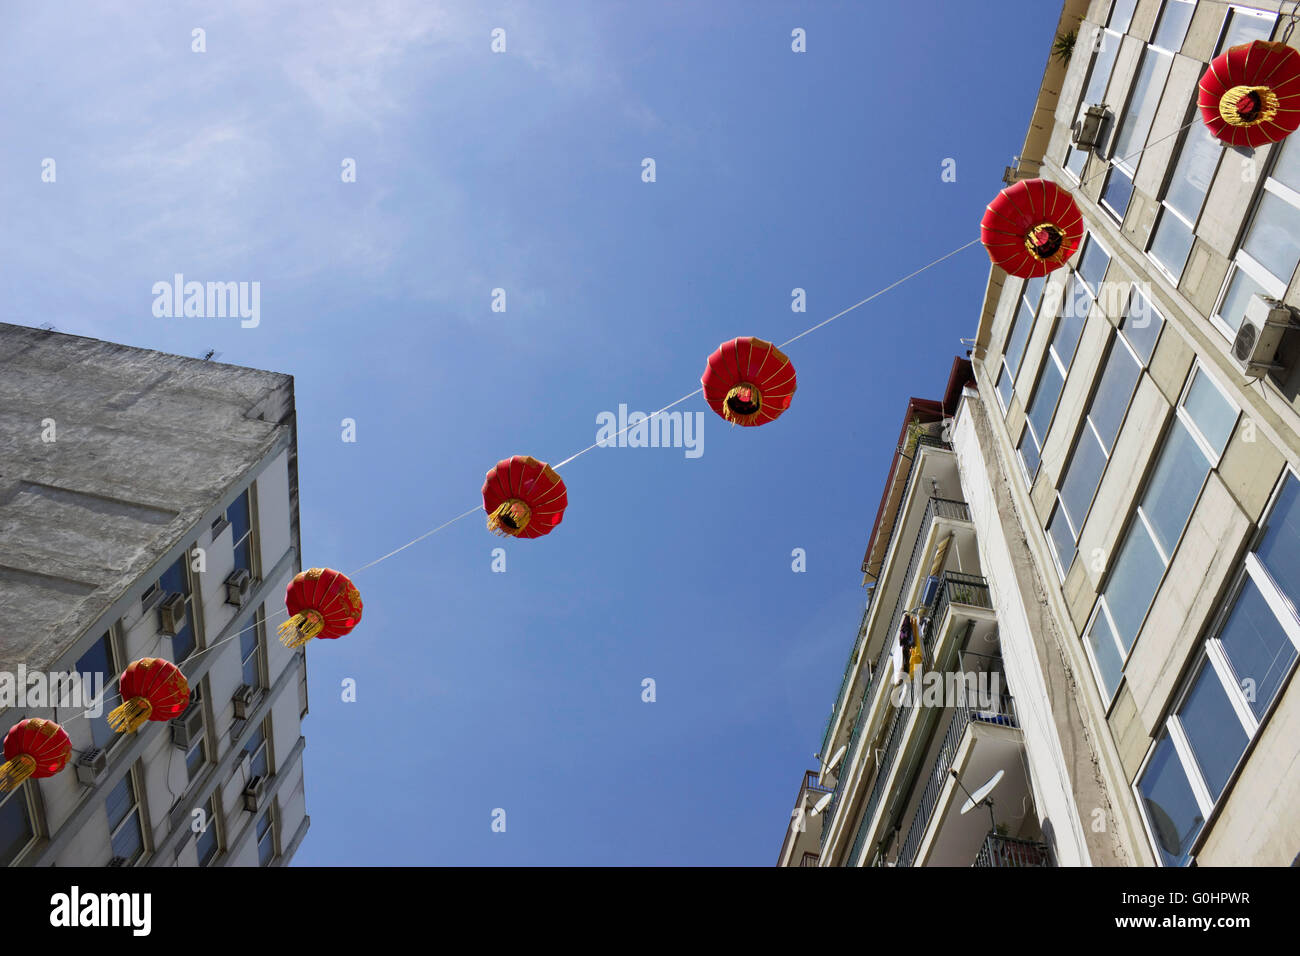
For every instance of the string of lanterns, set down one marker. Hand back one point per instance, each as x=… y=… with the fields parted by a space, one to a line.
x=1248 y=97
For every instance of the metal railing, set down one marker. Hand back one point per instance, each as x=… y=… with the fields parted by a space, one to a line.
x=809 y=859
x=849 y=667
x=999 y=850
x=812 y=781
x=1001 y=712
x=901 y=716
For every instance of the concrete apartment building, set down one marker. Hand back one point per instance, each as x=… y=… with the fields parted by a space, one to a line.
x=1132 y=486
x=148 y=508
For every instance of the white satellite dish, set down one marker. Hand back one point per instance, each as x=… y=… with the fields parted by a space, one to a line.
x=978 y=796
x=836 y=758
x=821 y=804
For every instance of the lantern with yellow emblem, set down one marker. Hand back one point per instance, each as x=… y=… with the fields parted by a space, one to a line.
x=322 y=603
x=152 y=689
x=33 y=748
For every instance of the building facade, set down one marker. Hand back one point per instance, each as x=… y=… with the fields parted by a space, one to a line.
x=148 y=508
x=1130 y=483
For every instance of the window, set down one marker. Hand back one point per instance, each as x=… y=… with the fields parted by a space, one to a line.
x=239 y=515
x=1121 y=15
x=195 y=758
x=1134 y=127
x=16 y=832
x=99 y=660
x=1174 y=21
x=256 y=750
x=1079 y=291
x=127 y=837
x=1018 y=338
x=1243 y=25
x=177 y=581
x=1202 y=423
x=206 y=843
x=1253 y=647
x=1106 y=45
x=1101 y=424
x=1268 y=255
x=1028 y=450
x=250 y=646
x=266 y=837
x=1193 y=171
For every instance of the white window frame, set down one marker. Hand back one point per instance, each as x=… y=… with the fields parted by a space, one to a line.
x=1211 y=653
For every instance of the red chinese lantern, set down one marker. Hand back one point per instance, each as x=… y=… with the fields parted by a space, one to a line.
x=748 y=382
x=33 y=748
x=152 y=689
x=523 y=498
x=1250 y=95
x=322 y=603
x=1031 y=228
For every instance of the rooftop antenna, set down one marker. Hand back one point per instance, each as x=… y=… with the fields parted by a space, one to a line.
x=211 y=354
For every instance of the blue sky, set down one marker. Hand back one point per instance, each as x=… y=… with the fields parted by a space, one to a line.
x=522 y=170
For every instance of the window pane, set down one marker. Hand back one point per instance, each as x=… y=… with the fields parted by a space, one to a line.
x=1279 y=551
x=1142 y=108
x=1213 y=729
x=1274 y=237
x=1092 y=265
x=195 y=758
x=1103 y=63
x=1173 y=24
x=1019 y=338
x=1175 y=485
x=1287 y=168
x=1240 y=289
x=1243 y=28
x=1043 y=404
x=1194 y=171
x=174 y=580
x=1062 y=539
x=265 y=850
x=1034 y=290
x=1104 y=652
x=1171 y=243
x=1004 y=387
x=1170 y=805
x=128 y=842
x=1074 y=314
x=1121 y=14
x=1133 y=582
x=1114 y=390
x=1028 y=452
x=1213 y=415
x=95 y=661
x=1075 y=160
x=1257 y=647
x=1082 y=476
x=1141 y=325
x=1118 y=191
x=207 y=842
x=119 y=801
x=15 y=826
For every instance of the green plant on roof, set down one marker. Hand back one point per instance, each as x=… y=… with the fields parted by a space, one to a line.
x=1063 y=48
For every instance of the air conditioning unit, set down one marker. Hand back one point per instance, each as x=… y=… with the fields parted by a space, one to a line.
x=171 y=614
x=117 y=861
x=1086 y=132
x=188 y=727
x=243 y=701
x=1257 y=341
x=238 y=585
x=253 y=794
x=91 y=766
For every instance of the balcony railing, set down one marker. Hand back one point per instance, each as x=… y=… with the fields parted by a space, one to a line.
x=849 y=667
x=901 y=716
x=999 y=850
x=809 y=859
x=1002 y=712
x=811 y=781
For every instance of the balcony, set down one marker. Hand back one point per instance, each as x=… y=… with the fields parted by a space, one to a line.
x=809 y=859
x=980 y=740
x=999 y=850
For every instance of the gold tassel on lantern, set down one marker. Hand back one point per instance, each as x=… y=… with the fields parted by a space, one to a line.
x=130 y=715
x=15 y=772
x=510 y=518
x=301 y=628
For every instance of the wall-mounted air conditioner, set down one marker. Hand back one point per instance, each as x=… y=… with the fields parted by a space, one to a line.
x=91 y=766
x=171 y=614
x=188 y=727
x=243 y=701
x=238 y=585
x=1087 y=129
x=1255 y=347
x=253 y=794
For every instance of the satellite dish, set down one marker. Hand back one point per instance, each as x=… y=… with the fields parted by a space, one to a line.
x=821 y=804
x=978 y=796
x=836 y=758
